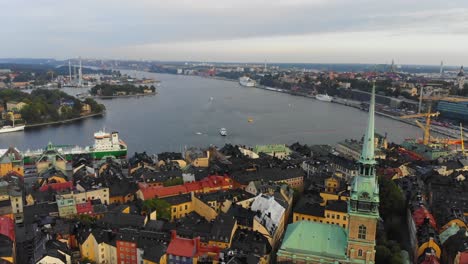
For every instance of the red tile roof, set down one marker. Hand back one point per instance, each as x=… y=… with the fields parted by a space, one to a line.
x=463 y=258
x=84 y=208
x=7 y=227
x=182 y=247
x=186 y=247
x=57 y=186
x=419 y=216
x=210 y=183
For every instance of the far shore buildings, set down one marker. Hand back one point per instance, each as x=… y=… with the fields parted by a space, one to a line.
x=318 y=242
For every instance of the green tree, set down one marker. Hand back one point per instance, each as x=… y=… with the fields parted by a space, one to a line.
x=392 y=202
x=382 y=254
x=162 y=207
x=173 y=181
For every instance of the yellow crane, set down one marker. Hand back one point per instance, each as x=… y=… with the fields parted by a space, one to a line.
x=462 y=140
x=427 y=127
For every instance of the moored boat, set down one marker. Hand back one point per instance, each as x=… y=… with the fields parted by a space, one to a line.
x=324 y=97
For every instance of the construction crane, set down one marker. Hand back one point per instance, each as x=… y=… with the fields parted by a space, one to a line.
x=462 y=141
x=427 y=127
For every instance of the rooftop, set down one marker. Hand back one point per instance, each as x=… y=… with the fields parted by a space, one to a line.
x=327 y=240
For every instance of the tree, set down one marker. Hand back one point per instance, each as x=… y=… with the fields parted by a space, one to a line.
x=162 y=207
x=173 y=181
x=382 y=254
x=391 y=199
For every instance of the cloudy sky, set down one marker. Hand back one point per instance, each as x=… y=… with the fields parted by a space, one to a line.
x=320 y=31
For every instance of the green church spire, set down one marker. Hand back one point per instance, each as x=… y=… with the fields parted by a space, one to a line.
x=367 y=154
x=364 y=198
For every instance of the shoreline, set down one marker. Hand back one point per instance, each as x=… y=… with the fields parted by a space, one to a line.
x=121 y=96
x=64 y=121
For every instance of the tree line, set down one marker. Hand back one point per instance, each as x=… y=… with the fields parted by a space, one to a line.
x=48 y=105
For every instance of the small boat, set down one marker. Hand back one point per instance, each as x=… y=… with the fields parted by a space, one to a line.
x=6 y=129
x=211 y=98
x=223 y=132
x=13 y=128
x=250 y=120
x=199 y=133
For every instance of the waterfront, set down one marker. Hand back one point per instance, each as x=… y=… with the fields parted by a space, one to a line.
x=170 y=120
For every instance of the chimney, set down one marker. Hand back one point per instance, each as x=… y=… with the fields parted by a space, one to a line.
x=173 y=234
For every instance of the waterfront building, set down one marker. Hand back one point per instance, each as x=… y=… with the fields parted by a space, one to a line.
x=279 y=151
x=15 y=106
x=453 y=110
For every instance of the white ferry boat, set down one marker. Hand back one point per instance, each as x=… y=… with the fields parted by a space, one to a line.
x=324 y=97
x=246 y=81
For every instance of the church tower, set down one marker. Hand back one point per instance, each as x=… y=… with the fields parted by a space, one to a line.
x=363 y=207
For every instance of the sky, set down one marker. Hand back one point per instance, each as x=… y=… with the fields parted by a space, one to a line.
x=308 y=31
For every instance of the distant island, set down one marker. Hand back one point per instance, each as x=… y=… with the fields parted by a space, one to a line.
x=123 y=90
x=43 y=107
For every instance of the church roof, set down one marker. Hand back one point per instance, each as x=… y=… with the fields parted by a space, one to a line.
x=313 y=238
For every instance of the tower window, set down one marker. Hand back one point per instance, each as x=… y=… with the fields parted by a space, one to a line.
x=362 y=232
x=360 y=253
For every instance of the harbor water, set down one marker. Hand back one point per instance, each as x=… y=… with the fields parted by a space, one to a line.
x=189 y=111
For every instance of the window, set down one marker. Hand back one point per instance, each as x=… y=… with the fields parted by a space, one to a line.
x=297 y=218
x=337 y=216
x=333 y=216
x=186 y=207
x=362 y=232
x=174 y=209
x=360 y=253
x=344 y=217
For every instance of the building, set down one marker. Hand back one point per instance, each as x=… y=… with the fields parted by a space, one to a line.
x=184 y=250
x=7 y=239
x=56 y=252
x=364 y=199
x=128 y=251
x=211 y=183
x=352 y=148
x=278 y=151
x=453 y=110
x=310 y=242
x=332 y=243
x=294 y=177
x=15 y=106
x=11 y=160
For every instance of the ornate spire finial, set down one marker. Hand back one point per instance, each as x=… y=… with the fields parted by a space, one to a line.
x=367 y=154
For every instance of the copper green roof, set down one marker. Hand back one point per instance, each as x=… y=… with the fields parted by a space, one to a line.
x=271 y=148
x=307 y=239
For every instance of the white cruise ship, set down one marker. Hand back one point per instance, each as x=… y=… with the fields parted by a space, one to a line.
x=324 y=97
x=246 y=81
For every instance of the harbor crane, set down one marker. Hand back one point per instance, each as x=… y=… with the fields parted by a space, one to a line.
x=427 y=127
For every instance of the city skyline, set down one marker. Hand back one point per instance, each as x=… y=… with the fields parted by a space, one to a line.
x=242 y=31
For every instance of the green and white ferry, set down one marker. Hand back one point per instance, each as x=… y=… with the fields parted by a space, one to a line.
x=105 y=144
